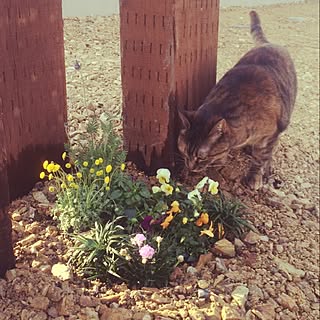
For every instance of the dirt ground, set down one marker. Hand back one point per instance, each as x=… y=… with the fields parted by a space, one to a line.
x=280 y=267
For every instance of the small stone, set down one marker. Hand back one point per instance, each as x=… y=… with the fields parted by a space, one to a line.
x=53 y=312
x=192 y=270
x=61 y=271
x=11 y=274
x=225 y=248
x=268 y=224
x=203 y=260
x=40 y=197
x=54 y=293
x=229 y=312
x=117 y=314
x=218 y=279
x=239 y=244
x=288 y=302
x=195 y=314
x=265 y=311
x=279 y=248
x=85 y=301
x=110 y=298
x=28 y=240
x=142 y=316
x=203 y=284
x=220 y=266
x=288 y=268
x=157 y=298
x=252 y=238
x=40 y=303
x=90 y=314
x=240 y=295
x=16 y=216
x=203 y=293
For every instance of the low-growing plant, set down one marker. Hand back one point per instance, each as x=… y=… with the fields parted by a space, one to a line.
x=98 y=252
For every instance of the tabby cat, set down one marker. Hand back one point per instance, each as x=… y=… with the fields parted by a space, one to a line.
x=248 y=108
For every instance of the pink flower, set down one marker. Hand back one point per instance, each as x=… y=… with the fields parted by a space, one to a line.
x=146 y=252
x=138 y=239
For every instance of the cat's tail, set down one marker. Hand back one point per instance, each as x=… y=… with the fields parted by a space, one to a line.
x=256 y=29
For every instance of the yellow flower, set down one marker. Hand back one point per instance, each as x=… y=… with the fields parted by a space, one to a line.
x=208 y=232
x=68 y=165
x=106 y=179
x=63 y=156
x=92 y=170
x=174 y=207
x=50 y=176
x=203 y=219
x=213 y=187
x=51 y=189
x=166 y=222
x=220 y=230
x=42 y=175
x=50 y=167
x=70 y=177
x=163 y=175
x=100 y=160
x=99 y=173
x=167 y=189
x=108 y=168
x=63 y=185
x=107 y=188
x=123 y=166
x=79 y=175
x=97 y=162
x=184 y=220
x=85 y=163
x=45 y=164
x=56 y=167
x=76 y=186
x=72 y=185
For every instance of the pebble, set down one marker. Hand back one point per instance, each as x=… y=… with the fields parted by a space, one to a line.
x=192 y=270
x=252 y=238
x=240 y=295
x=61 y=271
x=203 y=293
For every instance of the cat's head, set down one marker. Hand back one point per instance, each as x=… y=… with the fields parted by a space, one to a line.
x=203 y=140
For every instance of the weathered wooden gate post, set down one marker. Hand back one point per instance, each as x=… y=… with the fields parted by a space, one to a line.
x=32 y=100
x=169 y=56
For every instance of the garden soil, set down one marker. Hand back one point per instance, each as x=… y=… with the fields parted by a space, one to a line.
x=275 y=273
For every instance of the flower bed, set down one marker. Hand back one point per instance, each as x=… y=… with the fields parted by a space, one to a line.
x=123 y=229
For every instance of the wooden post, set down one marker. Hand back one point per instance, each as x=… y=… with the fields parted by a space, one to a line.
x=32 y=98
x=169 y=56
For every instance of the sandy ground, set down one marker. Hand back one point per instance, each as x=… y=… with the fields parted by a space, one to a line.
x=280 y=269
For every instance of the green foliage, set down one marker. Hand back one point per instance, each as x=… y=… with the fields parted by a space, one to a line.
x=97 y=253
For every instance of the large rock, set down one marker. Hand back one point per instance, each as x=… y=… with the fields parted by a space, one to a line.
x=225 y=248
x=289 y=268
x=240 y=295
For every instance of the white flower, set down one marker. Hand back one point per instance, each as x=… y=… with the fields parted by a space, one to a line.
x=194 y=196
x=163 y=175
x=155 y=189
x=180 y=258
x=213 y=186
x=202 y=183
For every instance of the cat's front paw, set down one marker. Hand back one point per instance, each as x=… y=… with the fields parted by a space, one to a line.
x=253 y=181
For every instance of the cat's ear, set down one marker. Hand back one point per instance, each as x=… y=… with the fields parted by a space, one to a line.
x=218 y=130
x=185 y=118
